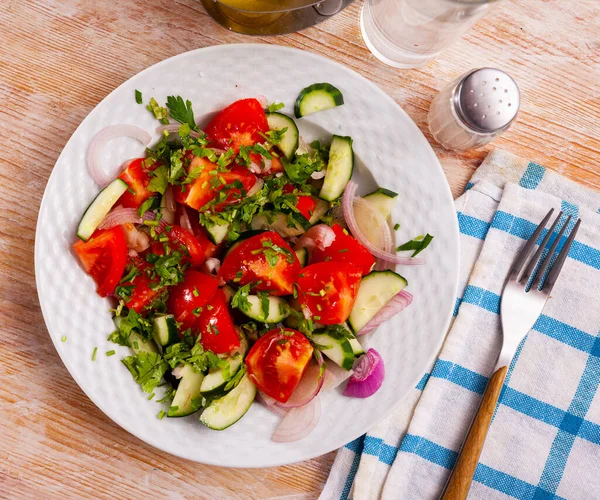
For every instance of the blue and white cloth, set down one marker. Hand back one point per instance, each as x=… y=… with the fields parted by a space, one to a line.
x=544 y=441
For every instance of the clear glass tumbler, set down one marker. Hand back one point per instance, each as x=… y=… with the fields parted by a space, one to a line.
x=410 y=33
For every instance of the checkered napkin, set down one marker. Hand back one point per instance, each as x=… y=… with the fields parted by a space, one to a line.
x=544 y=441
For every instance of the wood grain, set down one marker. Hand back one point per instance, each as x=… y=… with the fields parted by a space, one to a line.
x=59 y=58
x=462 y=475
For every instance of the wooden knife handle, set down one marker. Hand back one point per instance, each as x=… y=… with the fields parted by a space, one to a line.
x=462 y=475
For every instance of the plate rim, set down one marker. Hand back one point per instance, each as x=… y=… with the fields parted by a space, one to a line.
x=354 y=74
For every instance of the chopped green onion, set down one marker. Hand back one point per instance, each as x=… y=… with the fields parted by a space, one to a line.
x=94 y=354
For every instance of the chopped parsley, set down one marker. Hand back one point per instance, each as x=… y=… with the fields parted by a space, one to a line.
x=418 y=244
x=147 y=369
x=160 y=180
x=147 y=205
x=63 y=338
x=276 y=106
x=396 y=226
x=138 y=97
x=159 y=112
x=181 y=111
x=239 y=300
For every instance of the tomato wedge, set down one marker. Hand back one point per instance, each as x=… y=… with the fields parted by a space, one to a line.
x=306 y=204
x=329 y=290
x=345 y=248
x=200 y=233
x=216 y=328
x=103 y=257
x=179 y=236
x=143 y=292
x=188 y=298
x=137 y=179
x=239 y=124
x=210 y=183
x=266 y=260
x=277 y=362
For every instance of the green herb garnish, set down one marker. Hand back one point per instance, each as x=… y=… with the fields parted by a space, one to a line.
x=418 y=244
x=138 y=97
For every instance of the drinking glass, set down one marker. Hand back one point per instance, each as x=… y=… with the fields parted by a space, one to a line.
x=410 y=33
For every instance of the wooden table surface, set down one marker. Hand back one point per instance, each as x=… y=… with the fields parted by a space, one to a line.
x=59 y=58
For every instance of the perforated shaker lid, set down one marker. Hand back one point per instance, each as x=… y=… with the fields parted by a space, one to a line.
x=487 y=100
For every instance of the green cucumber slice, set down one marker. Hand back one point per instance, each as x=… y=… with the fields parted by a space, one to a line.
x=227 y=410
x=334 y=344
x=165 y=330
x=217 y=232
x=289 y=140
x=98 y=209
x=383 y=200
x=278 y=221
x=376 y=289
x=339 y=168
x=186 y=400
x=167 y=215
x=278 y=309
x=317 y=97
x=137 y=343
x=302 y=254
x=215 y=381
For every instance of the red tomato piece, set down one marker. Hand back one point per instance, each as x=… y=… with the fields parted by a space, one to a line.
x=239 y=124
x=277 y=362
x=143 y=293
x=197 y=194
x=137 y=179
x=276 y=165
x=305 y=204
x=209 y=248
x=345 y=248
x=264 y=258
x=329 y=290
x=184 y=239
x=216 y=328
x=104 y=257
x=188 y=298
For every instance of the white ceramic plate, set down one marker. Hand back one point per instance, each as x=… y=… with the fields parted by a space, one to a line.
x=385 y=140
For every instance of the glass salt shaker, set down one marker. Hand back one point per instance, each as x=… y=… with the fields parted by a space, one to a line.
x=474 y=109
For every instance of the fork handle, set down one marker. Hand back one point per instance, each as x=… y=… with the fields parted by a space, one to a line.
x=460 y=480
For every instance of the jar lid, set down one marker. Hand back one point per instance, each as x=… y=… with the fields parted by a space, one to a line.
x=487 y=100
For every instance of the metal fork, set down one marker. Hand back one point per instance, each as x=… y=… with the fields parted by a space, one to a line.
x=520 y=307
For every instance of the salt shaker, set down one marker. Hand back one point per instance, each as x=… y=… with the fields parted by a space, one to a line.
x=474 y=109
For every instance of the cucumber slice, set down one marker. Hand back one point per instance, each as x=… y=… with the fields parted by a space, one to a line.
x=186 y=400
x=140 y=344
x=383 y=200
x=217 y=232
x=339 y=168
x=336 y=346
x=279 y=223
x=215 y=381
x=376 y=289
x=302 y=254
x=226 y=411
x=317 y=97
x=165 y=330
x=137 y=343
x=320 y=210
x=98 y=209
x=278 y=309
x=289 y=140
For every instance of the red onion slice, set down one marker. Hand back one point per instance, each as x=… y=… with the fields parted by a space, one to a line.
x=262 y=100
x=94 y=152
x=212 y=265
x=120 y=215
x=184 y=221
x=258 y=185
x=394 y=306
x=309 y=386
x=348 y=207
x=320 y=236
x=269 y=403
x=169 y=199
x=299 y=422
x=334 y=376
x=136 y=240
x=368 y=376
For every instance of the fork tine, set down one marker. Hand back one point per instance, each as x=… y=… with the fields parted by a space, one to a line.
x=560 y=260
x=542 y=270
x=526 y=272
x=530 y=245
